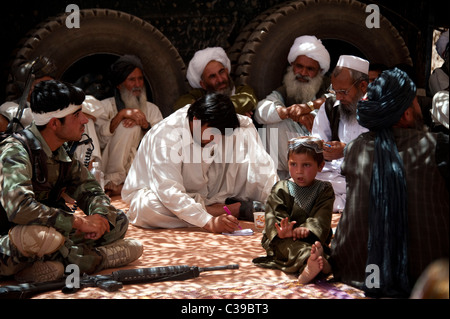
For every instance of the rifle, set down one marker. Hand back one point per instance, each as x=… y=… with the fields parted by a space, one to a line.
x=26 y=72
x=110 y=283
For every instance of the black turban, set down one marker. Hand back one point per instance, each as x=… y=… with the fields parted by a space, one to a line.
x=120 y=70
x=387 y=99
x=123 y=67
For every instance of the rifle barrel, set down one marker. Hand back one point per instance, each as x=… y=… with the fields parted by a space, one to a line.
x=155 y=274
x=233 y=266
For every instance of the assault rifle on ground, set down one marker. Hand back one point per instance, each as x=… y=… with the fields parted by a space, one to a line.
x=110 y=283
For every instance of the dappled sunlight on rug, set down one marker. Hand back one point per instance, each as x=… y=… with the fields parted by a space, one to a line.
x=196 y=247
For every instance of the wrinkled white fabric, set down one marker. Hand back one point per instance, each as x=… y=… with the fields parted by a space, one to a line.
x=276 y=132
x=439 y=111
x=173 y=179
x=119 y=148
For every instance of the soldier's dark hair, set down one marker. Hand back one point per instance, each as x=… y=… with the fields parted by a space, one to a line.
x=216 y=110
x=53 y=95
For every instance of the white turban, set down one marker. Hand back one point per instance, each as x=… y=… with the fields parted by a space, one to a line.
x=313 y=48
x=201 y=59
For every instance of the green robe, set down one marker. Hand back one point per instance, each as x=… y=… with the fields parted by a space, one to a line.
x=310 y=207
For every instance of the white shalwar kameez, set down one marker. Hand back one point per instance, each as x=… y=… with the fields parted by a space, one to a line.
x=277 y=132
x=173 y=178
x=348 y=131
x=119 y=148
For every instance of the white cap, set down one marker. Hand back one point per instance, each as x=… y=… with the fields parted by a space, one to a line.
x=354 y=63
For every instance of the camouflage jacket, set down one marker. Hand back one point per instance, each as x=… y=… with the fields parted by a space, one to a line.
x=25 y=205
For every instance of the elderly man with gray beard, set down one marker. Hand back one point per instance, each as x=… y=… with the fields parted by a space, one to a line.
x=286 y=112
x=335 y=122
x=127 y=117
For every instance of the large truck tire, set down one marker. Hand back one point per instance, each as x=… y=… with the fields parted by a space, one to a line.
x=107 y=32
x=263 y=59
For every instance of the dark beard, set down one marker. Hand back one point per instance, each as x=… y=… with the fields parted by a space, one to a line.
x=347 y=112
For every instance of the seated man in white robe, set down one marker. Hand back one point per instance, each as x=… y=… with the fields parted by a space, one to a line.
x=190 y=163
x=127 y=117
x=336 y=122
x=289 y=111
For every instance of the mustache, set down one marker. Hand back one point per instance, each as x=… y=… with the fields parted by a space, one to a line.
x=301 y=77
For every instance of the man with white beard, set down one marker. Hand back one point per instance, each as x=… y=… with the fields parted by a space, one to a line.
x=286 y=112
x=127 y=117
x=336 y=123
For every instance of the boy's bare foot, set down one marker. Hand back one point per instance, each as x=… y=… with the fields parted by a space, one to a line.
x=317 y=246
x=314 y=266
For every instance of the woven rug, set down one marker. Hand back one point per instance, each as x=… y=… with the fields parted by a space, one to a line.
x=197 y=247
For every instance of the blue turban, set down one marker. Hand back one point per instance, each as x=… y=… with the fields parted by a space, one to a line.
x=387 y=99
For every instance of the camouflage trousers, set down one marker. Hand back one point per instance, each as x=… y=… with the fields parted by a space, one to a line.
x=76 y=250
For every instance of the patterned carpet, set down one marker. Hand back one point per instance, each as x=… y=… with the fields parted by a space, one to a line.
x=196 y=247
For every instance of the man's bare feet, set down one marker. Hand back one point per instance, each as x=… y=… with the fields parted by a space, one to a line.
x=314 y=266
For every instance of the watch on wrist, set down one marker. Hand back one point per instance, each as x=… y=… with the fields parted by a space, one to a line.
x=311 y=105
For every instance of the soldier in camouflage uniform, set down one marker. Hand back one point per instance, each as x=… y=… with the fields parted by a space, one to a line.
x=40 y=235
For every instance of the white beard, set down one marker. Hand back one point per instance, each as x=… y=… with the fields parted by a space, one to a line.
x=301 y=92
x=131 y=101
